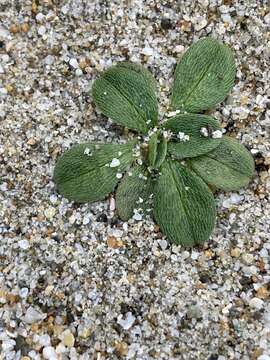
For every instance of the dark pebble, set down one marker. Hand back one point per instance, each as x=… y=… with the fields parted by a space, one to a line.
x=102 y=218
x=22 y=345
x=213 y=357
x=166 y=24
x=204 y=277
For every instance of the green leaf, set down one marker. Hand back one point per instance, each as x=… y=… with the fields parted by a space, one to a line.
x=184 y=207
x=203 y=77
x=152 y=149
x=134 y=192
x=230 y=166
x=161 y=152
x=126 y=93
x=196 y=127
x=88 y=172
x=157 y=150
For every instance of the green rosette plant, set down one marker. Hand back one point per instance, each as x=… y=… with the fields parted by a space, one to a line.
x=167 y=171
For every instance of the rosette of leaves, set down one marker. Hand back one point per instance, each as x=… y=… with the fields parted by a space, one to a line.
x=168 y=170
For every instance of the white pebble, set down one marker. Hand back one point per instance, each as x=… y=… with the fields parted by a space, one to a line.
x=179 y=48
x=267 y=18
x=263 y=357
x=50 y=212
x=247 y=258
x=200 y=24
x=256 y=303
x=73 y=63
x=114 y=163
x=78 y=72
x=172 y=113
x=112 y=204
x=32 y=316
x=217 y=134
x=204 y=132
x=53 y=199
x=23 y=244
x=39 y=17
x=3 y=186
x=137 y=216
x=41 y=30
x=65 y=9
x=87 y=151
x=49 y=353
x=3 y=91
x=86 y=220
x=8 y=344
x=119 y=175
x=126 y=322
x=23 y=293
x=147 y=51
x=44 y=340
x=226 y=18
x=163 y=244
x=194 y=255
x=182 y=136
x=236 y=199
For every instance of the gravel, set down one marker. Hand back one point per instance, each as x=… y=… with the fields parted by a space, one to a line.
x=75 y=281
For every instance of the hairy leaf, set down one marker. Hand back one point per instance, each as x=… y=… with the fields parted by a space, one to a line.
x=230 y=166
x=133 y=195
x=89 y=172
x=196 y=128
x=203 y=77
x=161 y=152
x=152 y=149
x=184 y=207
x=126 y=94
x=157 y=150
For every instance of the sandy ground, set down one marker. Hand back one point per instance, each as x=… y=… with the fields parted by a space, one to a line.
x=75 y=281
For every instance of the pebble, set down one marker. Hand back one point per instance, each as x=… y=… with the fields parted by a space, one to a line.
x=44 y=340
x=127 y=321
x=247 y=258
x=137 y=216
x=40 y=17
x=86 y=219
x=68 y=338
x=23 y=244
x=194 y=312
x=50 y=212
x=49 y=353
x=114 y=243
x=78 y=72
x=179 y=48
x=114 y=163
x=112 y=204
x=256 y=303
x=74 y=63
x=236 y=252
x=263 y=357
x=147 y=51
x=163 y=244
x=32 y=315
x=8 y=344
x=23 y=293
x=41 y=30
x=200 y=23
x=267 y=18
